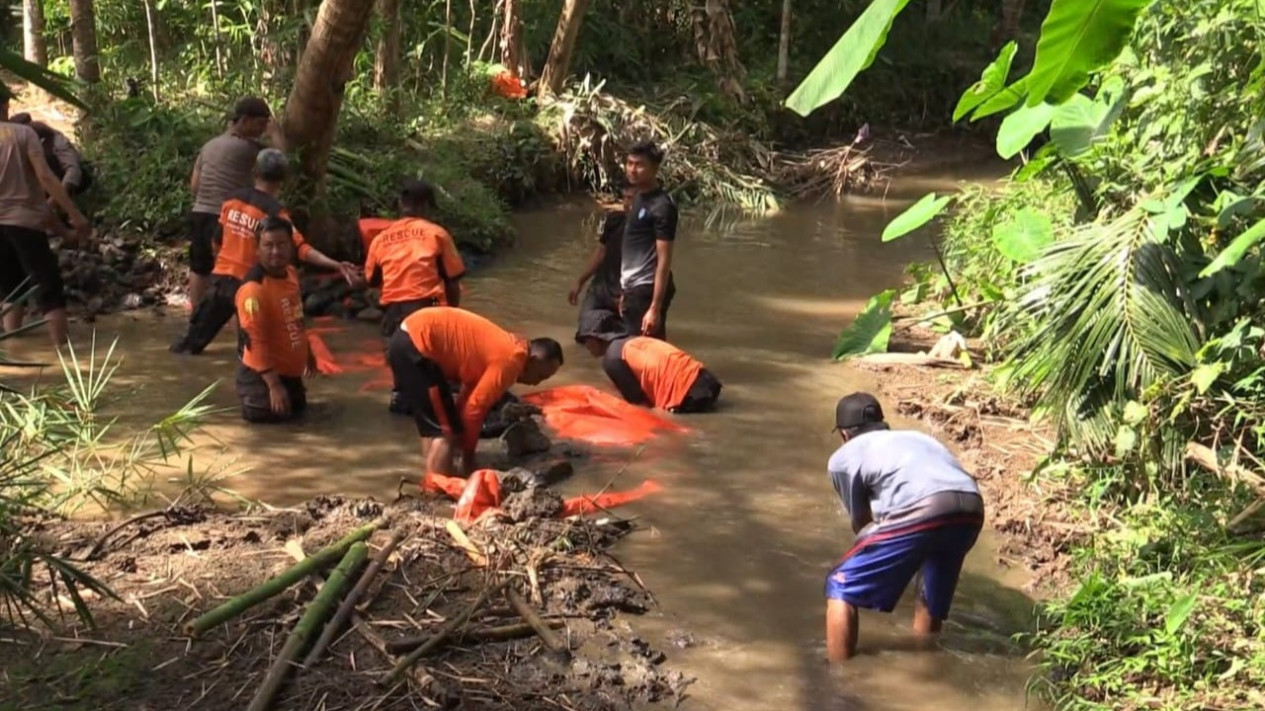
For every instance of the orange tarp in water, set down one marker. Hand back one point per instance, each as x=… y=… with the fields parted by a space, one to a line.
x=585 y=413
x=481 y=494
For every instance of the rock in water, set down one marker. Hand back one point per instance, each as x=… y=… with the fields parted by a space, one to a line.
x=553 y=472
x=133 y=301
x=523 y=438
x=370 y=314
x=534 y=502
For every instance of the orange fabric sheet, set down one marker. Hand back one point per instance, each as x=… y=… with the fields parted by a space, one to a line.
x=584 y=413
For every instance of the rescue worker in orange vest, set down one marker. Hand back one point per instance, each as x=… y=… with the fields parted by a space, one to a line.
x=236 y=251
x=272 y=345
x=416 y=264
x=439 y=345
x=646 y=370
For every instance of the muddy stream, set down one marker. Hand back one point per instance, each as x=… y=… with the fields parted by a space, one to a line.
x=737 y=544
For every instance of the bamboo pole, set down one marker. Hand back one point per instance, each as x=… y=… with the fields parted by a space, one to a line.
x=547 y=636
x=316 y=612
x=349 y=603
x=449 y=627
x=237 y=605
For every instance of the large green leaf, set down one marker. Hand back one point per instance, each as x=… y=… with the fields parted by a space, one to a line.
x=1078 y=37
x=917 y=215
x=851 y=55
x=1022 y=238
x=870 y=331
x=1234 y=253
x=1081 y=122
x=1179 y=612
x=39 y=76
x=1019 y=128
x=991 y=81
x=1002 y=100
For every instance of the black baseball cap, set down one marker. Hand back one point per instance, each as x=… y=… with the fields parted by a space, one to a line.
x=856 y=410
x=251 y=107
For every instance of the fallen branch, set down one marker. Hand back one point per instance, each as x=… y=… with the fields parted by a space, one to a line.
x=317 y=611
x=463 y=541
x=547 y=636
x=237 y=605
x=348 y=606
x=485 y=635
x=96 y=547
x=443 y=633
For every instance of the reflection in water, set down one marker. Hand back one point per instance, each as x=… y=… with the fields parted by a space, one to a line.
x=739 y=542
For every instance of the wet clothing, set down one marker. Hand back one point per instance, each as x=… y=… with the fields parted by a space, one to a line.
x=651 y=218
x=26 y=252
x=239 y=247
x=601 y=297
x=225 y=164
x=422 y=389
x=648 y=371
x=464 y=348
x=256 y=399
x=921 y=510
x=213 y=312
x=272 y=334
x=636 y=302
x=415 y=260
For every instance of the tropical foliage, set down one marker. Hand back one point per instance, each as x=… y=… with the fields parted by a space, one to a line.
x=1116 y=281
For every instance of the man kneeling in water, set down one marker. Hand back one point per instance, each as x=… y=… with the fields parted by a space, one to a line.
x=912 y=507
x=272 y=343
x=648 y=371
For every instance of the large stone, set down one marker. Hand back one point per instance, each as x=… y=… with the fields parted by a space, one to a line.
x=524 y=438
x=370 y=314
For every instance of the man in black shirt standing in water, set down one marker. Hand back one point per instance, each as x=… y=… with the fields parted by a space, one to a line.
x=602 y=295
x=646 y=269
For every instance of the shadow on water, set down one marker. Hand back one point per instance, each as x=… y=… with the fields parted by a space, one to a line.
x=739 y=542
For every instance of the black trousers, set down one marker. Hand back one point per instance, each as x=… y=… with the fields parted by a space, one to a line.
x=702 y=395
x=253 y=393
x=422 y=386
x=25 y=252
x=210 y=315
x=636 y=302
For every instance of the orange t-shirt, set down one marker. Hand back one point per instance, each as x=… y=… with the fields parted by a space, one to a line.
x=411 y=254
x=664 y=371
x=239 y=249
x=472 y=350
x=270 y=314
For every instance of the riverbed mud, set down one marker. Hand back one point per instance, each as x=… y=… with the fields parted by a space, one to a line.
x=169 y=568
x=999 y=445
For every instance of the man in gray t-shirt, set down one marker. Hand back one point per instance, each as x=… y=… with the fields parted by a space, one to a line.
x=913 y=507
x=223 y=166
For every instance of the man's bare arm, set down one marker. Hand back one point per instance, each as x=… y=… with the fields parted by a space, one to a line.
x=196 y=177
x=52 y=186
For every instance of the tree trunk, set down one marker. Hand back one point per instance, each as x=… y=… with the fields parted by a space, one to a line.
x=512 y=54
x=716 y=46
x=153 y=48
x=1007 y=27
x=33 y=46
x=219 y=39
x=559 y=63
x=784 y=44
x=386 y=62
x=83 y=27
x=311 y=114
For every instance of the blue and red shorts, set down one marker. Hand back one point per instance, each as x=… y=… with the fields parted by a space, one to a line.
x=878 y=568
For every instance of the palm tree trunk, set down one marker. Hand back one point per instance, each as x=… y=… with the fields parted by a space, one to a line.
x=311 y=114
x=153 y=48
x=34 y=48
x=784 y=44
x=386 y=62
x=512 y=54
x=559 y=63
x=717 y=47
x=83 y=28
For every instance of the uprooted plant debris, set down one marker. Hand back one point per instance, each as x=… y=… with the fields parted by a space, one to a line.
x=215 y=611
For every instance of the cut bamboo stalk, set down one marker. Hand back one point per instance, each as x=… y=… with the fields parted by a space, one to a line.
x=449 y=627
x=237 y=605
x=348 y=606
x=317 y=611
x=547 y=636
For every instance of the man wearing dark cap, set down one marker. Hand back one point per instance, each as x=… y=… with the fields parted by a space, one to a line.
x=913 y=508
x=26 y=259
x=223 y=166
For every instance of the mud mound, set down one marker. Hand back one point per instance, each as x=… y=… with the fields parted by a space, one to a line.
x=168 y=569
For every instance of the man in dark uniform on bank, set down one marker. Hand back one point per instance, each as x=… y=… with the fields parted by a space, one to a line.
x=646 y=253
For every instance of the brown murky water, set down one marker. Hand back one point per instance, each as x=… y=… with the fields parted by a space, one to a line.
x=738 y=543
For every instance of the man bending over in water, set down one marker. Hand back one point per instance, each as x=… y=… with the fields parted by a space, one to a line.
x=648 y=371
x=239 y=216
x=912 y=507
x=272 y=344
x=439 y=345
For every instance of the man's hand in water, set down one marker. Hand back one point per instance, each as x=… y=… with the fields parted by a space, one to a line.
x=650 y=322
x=279 y=400
x=573 y=296
x=351 y=273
